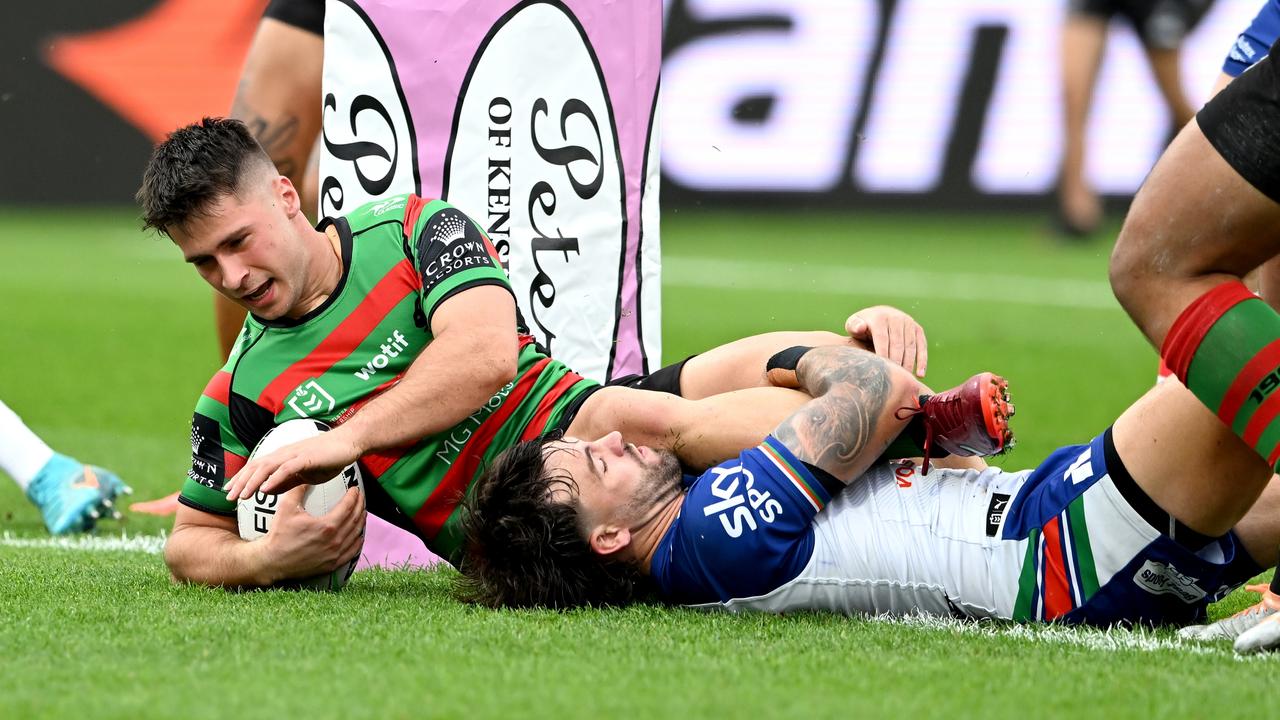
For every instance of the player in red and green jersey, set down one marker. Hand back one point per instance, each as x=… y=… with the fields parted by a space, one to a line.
x=397 y=326
x=360 y=341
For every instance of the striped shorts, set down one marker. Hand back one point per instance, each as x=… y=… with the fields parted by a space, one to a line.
x=1073 y=541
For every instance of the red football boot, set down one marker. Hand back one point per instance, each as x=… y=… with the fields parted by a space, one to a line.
x=971 y=419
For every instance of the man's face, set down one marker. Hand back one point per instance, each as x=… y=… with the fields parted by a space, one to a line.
x=616 y=481
x=247 y=248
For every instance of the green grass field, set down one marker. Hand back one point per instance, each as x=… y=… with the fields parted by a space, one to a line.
x=107 y=341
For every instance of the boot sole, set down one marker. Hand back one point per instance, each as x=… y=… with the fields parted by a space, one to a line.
x=996 y=410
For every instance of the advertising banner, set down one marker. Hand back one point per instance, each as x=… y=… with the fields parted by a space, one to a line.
x=772 y=103
x=539 y=120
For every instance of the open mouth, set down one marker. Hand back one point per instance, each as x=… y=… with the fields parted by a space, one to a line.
x=258 y=294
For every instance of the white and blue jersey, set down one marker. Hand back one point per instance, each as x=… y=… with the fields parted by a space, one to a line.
x=1069 y=541
x=746 y=527
x=1255 y=42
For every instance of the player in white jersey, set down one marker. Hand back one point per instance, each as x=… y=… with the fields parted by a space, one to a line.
x=1085 y=537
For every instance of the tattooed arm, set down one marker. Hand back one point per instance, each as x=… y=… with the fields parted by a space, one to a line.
x=279 y=99
x=852 y=417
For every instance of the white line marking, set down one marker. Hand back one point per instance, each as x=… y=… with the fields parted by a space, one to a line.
x=1110 y=640
x=1090 y=638
x=887 y=282
x=151 y=544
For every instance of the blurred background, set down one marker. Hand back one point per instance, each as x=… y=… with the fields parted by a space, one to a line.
x=817 y=156
x=880 y=103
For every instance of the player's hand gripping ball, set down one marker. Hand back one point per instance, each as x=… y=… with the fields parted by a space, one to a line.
x=255 y=515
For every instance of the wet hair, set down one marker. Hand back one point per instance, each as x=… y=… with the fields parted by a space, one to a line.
x=193 y=167
x=525 y=549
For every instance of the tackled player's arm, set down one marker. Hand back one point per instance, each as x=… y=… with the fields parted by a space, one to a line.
x=852 y=417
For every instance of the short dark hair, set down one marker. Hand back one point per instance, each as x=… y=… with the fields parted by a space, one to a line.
x=525 y=549
x=193 y=167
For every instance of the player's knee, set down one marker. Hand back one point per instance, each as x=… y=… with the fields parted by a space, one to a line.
x=1130 y=270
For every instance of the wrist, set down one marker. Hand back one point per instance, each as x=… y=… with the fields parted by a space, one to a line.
x=352 y=436
x=258 y=559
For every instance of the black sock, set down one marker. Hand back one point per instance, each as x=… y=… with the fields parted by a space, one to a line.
x=910 y=443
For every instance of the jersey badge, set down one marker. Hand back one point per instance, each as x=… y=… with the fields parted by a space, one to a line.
x=311 y=400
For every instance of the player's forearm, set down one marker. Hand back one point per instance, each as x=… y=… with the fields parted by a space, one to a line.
x=215 y=556
x=822 y=368
x=853 y=416
x=453 y=377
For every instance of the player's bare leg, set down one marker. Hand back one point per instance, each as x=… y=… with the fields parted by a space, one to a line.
x=1083 y=40
x=1168 y=74
x=1189 y=463
x=278 y=98
x=1194 y=468
x=228 y=319
x=279 y=95
x=1195 y=224
x=1195 y=229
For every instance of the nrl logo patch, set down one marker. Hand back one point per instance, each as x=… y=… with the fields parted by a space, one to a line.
x=310 y=400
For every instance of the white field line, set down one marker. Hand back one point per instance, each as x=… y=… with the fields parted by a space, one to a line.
x=718 y=273
x=1110 y=640
x=151 y=544
x=1089 y=638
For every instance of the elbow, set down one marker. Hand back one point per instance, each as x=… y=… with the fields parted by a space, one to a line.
x=501 y=365
x=173 y=561
x=501 y=372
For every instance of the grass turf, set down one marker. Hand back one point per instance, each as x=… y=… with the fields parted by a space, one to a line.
x=108 y=341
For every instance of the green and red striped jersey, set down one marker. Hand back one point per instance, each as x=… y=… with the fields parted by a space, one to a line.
x=402 y=257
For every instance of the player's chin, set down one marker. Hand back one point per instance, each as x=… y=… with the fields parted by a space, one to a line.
x=266 y=310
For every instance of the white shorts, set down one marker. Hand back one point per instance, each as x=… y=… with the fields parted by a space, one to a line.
x=1060 y=542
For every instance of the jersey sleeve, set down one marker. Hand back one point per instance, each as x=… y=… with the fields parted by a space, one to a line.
x=746 y=526
x=216 y=453
x=449 y=252
x=1252 y=45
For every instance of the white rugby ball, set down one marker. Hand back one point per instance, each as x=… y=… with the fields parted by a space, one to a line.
x=255 y=515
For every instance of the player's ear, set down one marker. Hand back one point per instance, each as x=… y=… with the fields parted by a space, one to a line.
x=287 y=196
x=609 y=539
